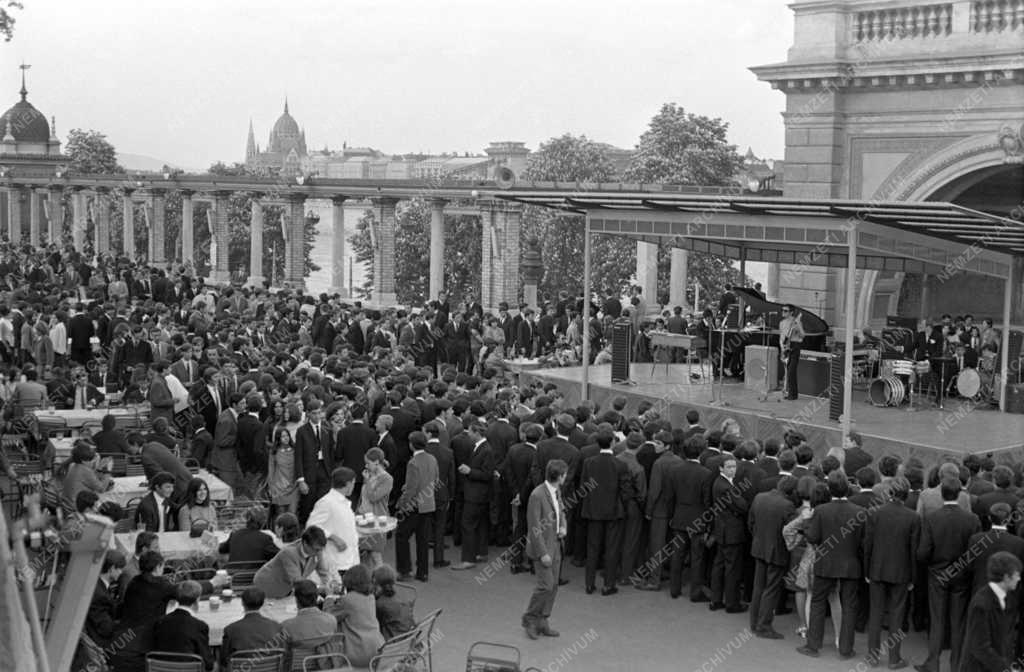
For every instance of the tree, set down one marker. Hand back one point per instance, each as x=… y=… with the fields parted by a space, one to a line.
x=91 y=153
x=7 y=19
x=684 y=148
x=572 y=158
x=462 y=259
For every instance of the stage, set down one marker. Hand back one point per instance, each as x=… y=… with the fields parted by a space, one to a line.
x=928 y=433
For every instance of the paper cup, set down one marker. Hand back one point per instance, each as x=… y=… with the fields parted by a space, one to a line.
x=214 y=603
x=227 y=594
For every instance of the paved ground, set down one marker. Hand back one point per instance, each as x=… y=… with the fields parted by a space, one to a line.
x=633 y=630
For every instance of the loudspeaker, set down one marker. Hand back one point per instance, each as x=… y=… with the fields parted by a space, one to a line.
x=1015 y=398
x=622 y=350
x=758 y=358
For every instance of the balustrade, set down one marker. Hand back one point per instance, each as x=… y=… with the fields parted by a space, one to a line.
x=901 y=23
x=997 y=16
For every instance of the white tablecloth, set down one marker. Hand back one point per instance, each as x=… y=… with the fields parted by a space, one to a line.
x=175 y=545
x=74 y=419
x=128 y=487
x=231 y=611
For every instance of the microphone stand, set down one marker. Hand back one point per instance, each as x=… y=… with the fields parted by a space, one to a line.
x=721 y=362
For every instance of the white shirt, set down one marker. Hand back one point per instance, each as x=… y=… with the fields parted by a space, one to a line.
x=333 y=514
x=1000 y=593
x=178 y=392
x=553 y=492
x=161 y=514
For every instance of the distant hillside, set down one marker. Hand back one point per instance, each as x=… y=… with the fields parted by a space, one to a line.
x=146 y=163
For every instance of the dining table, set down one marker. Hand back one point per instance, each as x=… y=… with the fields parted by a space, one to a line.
x=127 y=488
x=230 y=610
x=75 y=418
x=176 y=545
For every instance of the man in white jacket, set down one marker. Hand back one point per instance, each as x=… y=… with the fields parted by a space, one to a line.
x=333 y=514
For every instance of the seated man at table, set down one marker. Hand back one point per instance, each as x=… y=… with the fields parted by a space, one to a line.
x=252 y=631
x=101 y=621
x=110 y=439
x=295 y=562
x=156 y=457
x=309 y=623
x=144 y=541
x=147 y=595
x=180 y=631
x=156 y=510
x=251 y=543
x=161 y=434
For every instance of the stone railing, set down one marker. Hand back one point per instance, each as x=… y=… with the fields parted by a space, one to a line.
x=997 y=16
x=901 y=23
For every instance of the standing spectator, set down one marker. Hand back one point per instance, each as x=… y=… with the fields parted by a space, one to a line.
x=769 y=512
x=729 y=532
x=478 y=472
x=373 y=500
x=415 y=506
x=988 y=636
x=603 y=509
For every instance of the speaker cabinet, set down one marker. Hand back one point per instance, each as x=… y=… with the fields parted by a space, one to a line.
x=760 y=358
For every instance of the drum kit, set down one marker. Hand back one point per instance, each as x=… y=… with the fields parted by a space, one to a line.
x=898 y=379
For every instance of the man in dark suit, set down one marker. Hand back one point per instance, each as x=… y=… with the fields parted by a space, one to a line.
x=101 y=620
x=81 y=332
x=415 y=509
x=985 y=544
x=314 y=459
x=251 y=446
x=444 y=490
x=730 y=535
x=546 y=522
x=156 y=458
x=252 y=631
x=686 y=503
x=769 y=462
x=855 y=457
x=1003 y=492
x=988 y=637
x=473 y=306
x=353 y=441
x=515 y=472
x=478 y=473
x=185 y=368
x=609 y=487
x=526 y=335
x=945 y=538
x=839 y=523
x=500 y=436
x=769 y=513
x=224 y=461
x=156 y=510
x=891 y=537
x=558 y=447
x=657 y=511
x=180 y=631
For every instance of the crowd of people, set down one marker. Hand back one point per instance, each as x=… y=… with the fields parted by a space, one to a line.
x=324 y=410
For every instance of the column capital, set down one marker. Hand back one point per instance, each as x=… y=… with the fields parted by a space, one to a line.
x=187 y=193
x=438 y=202
x=339 y=199
x=386 y=201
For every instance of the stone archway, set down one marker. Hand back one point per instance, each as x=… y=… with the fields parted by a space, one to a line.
x=948 y=175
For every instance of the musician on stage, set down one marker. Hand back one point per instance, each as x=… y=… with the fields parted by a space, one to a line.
x=791 y=338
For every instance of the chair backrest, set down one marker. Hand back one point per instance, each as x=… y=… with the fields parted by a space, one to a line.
x=134 y=468
x=242 y=573
x=326 y=662
x=399 y=662
x=119 y=464
x=257 y=660
x=166 y=661
x=301 y=649
x=424 y=633
x=404 y=643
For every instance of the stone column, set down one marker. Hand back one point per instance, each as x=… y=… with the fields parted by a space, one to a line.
x=678 y=276
x=34 y=217
x=55 y=214
x=436 y=247
x=128 y=236
x=488 y=254
x=338 y=246
x=533 y=272
x=256 y=244
x=505 y=264
x=102 y=228
x=220 y=274
x=293 y=224
x=79 y=216
x=188 y=246
x=14 y=214
x=647 y=272
x=157 y=228
x=771 y=285
x=384 y=256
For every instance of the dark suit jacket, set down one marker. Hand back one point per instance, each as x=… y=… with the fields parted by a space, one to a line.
x=352 y=443
x=149 y=514
x=306 y=450
x=769 y=512
x=80 y=330
x=525 y=333
x=945 y=535
x=989 y=637
x=891 y=538
x=247 y=545
x=156 y=458
x=730 y=526
x=477 y=485
x=749 y=477
x=840 y=524
x=516 y=470
x=501 y=435
x=387 y=444
x=113 y=441
x=101 y=621
x=181 y=632
x=984 y=504
x=252 y=441
x=686 y=500
x=769 y=465
x=445 y=489
x=252 y=631
x=983 y=545
x=555 y=448
x=854 y=459
x=609 y=487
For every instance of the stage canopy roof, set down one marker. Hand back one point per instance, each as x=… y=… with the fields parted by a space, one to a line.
x=918 y=236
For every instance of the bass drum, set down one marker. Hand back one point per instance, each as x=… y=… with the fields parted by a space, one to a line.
x=968 y=383
x=887 y=391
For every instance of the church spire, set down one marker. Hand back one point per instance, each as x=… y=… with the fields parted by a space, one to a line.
x=286 y=104
x=250 y=144
x=24 y=91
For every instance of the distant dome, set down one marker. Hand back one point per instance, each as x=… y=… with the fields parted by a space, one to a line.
x=27 y=123
x=285 y=124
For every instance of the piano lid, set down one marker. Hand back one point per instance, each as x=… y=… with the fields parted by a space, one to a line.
x=813 y=324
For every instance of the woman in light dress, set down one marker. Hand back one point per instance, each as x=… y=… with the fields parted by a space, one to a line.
x=377 y=484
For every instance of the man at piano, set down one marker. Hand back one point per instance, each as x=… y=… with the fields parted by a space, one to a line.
x=791 y=338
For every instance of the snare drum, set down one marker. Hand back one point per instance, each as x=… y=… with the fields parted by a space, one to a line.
x=903 y=367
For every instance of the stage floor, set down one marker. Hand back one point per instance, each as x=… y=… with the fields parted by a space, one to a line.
x=929 y=433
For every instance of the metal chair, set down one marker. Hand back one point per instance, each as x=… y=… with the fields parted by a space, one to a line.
x=408 y=661
x=134 y=468
x=192 y=464
x=257 y=660
x=409 y=593
x=299 y=650
x=242 y=573
x=325 y=662
x=119 y=464
x=425 y=635
x=166 y=661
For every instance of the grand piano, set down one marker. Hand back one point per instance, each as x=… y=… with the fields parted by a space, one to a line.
x=759 y=325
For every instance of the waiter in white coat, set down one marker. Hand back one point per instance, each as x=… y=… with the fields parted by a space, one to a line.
x=333 y=514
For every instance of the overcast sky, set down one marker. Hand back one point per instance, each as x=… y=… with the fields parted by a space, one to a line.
x=179 y=81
